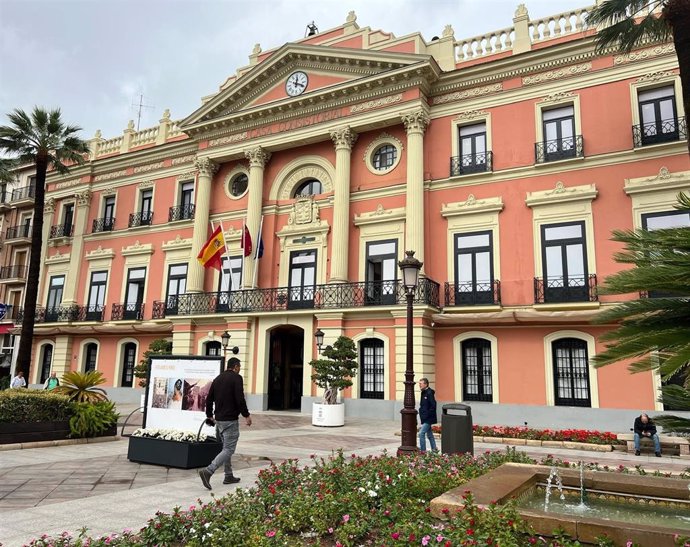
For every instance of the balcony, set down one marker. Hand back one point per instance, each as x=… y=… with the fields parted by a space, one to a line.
x=473 y=294
x=21 y=233
x=91 y=313
x=61 y=230
x=314 y=297
x=59 y=314
x=4 y=200
x=23 y=195
x=13 y=274
x=181 y=212
x=140 y=219
x=105 y=224
x=661 y=131
x=561 y=290
x=471 y=163
x=559 y=149
x=133 y=311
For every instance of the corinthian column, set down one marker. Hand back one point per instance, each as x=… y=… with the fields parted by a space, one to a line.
x=258 y=158
x=415 y=125
x=202 y=199
x=343 y=139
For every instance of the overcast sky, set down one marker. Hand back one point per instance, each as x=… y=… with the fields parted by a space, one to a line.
x=92 y=58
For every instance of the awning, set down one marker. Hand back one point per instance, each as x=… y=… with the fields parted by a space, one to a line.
x=5 y=328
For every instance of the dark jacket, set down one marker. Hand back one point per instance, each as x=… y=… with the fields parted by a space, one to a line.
x=227 y=393
x=641 y=428
x=427 y=406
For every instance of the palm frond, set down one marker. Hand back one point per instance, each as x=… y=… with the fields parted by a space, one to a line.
x=627 y=24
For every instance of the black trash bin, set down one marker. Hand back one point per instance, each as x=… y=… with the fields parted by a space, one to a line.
x=456 y=429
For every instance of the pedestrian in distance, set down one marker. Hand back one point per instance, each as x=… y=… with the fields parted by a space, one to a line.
x=427 y=415
x=52 y=382
x=18 y=381
x=227 y=396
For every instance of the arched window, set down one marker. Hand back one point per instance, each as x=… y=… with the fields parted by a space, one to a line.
x=476 y=370
x=46 y=361
x=213 y=348
x=373 y=369
x=571 y=372
x=90 y=356
x=309 y=187
x=129 y=357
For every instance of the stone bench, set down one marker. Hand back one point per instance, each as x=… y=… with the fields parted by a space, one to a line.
x=682 y=444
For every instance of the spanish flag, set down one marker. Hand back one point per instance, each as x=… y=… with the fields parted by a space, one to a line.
x=211 y=253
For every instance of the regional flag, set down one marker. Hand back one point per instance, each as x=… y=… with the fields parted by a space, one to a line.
x=247 y=242
x=211 y=253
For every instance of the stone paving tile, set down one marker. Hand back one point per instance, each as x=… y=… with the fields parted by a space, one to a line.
x=320 y=442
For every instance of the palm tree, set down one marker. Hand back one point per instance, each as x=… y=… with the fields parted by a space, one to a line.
x=6 y=166
x=653 y=332
x=43 y=139
x=630 y=23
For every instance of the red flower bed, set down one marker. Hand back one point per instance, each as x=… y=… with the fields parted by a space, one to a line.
x=518 y=432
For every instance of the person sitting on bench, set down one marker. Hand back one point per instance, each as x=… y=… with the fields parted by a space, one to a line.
x=644 y=427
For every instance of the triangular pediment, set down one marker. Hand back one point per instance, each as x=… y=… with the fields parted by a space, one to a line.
x=328 y=70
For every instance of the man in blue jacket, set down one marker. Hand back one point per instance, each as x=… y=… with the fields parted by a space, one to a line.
x=427 y=415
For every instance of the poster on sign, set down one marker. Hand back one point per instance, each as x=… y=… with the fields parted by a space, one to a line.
x=177 y=390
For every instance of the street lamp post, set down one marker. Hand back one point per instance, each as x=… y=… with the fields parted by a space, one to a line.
x=225 y=341
x=410 y=267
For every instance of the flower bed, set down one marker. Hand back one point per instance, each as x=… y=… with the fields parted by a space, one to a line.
x=567 y=435
x=171 y=435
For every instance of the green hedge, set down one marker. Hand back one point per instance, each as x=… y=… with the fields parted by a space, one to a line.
x=28 y=405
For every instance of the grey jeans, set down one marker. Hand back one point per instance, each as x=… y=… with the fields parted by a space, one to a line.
x=229 y=432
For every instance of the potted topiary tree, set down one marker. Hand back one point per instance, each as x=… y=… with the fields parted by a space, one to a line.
x=333 y=372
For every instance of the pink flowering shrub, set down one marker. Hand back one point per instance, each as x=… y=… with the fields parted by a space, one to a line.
x=520 y=432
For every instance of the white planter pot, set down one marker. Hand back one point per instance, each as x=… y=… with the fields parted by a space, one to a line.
x=328 y=415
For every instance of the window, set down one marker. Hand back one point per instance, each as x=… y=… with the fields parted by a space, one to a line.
x=129 y=357
x=109 y=211
x=308 y=188
x=55 y=288
x=474 y=271
x=185 y=208
x=213 y=348
x=94 y=310
x=560 y=142
x=187 y=193
x=145 y=208
x=476 y=370
x=371 y=378
x=473 y=155
x=134 y=295
x=177 y=285
x=384 y=157
x=302 y=279
x=564 y=262
x=381 y=272
x=46 y=362
x=230 y=274
x=90 y=357
x=67 y=219
x=239 y=185
x=571 y=372
x=658 y=116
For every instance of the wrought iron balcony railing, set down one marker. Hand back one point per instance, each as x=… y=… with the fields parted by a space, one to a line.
x=570 y=289
x=473 y=294
x=340 y=295
x=61 y=230
x=559 y=149
x=15 y=232
x=57 y=314
x=24 y=192
x=13 y=272
x=105 y=224
x=91 y=313
x=471 y=163
x=181 y=212
x=158 y=310
x=142 y=218
x=670 y=130
x=128 y=311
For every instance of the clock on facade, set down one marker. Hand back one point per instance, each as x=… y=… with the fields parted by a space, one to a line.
x=296 y=83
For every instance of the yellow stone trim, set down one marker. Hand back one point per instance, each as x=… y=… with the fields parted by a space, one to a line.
x=457 y=362
x=57 y=258
x=561 y=194
x=298 y=170
x=370 y=333
x=81 y=356
x=138 y=249
x=379 y=215
x=465 y=118
x=117 y=375
x=177 y=244
x=548 y=364
x=381 y=140
x=287 y=236
x=653 y=80
x=557 y=100
x=472 y=206
x=656 y=194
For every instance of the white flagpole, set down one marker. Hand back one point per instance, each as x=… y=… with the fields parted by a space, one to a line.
x=244 y=227
x=256 y=253
x=225 y=255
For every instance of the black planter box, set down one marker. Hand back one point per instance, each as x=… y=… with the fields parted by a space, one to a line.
x=183 y=455
x=33 y=431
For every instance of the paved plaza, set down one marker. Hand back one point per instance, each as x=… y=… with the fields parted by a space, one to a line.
x=57 y=488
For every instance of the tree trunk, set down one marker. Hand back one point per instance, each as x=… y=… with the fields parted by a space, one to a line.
x=677 y=13
x=31 y=291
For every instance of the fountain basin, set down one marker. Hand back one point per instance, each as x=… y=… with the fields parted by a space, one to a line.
x=519 y=482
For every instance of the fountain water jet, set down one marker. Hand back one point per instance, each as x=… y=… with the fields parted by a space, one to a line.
x=549 y=483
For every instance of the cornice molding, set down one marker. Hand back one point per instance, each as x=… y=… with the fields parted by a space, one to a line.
x=560 y=194
x=57 y=258
x=177 y=244
x=100 y=254
x=558 y=74
x=379 y=215
x=664 y=180
x=138 y=249
x=472 y=206
x=642 y=54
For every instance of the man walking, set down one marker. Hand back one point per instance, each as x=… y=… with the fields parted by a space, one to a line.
x=18 y=381
x=427 y=415
x=227 y=393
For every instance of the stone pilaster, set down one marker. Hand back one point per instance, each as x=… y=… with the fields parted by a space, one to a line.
x=62 y=356
x=343 y=139
x=202 y=200
x=81 y=217
x=48 y=214
x=415 y=123
x=258 y=158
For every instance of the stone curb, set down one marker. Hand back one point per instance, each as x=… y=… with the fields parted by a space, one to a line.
x=546 y=444
x=61 y=442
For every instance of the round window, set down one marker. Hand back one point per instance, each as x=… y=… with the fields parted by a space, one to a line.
x=239 y=184
x=384 y=157
x=310 y=187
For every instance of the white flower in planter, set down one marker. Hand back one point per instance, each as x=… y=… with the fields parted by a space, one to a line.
x=171 y=435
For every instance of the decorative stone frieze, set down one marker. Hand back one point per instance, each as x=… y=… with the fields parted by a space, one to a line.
x=237 y=137
x=111 y=175
x=380 y=214
x=177 y=244
x=562 y=193
x=468 y=93
x=472 y=205
x=643 y=54
x=557 y=74
x=149 y=167
x=376 y=103
x=137 y=249
x=100 y=254
x=184 y=159
x=656 y=76
x=304 y=211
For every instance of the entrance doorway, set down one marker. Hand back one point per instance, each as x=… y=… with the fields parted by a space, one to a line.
x=285 y=366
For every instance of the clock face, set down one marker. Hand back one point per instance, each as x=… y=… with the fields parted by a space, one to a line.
x=296 y=83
